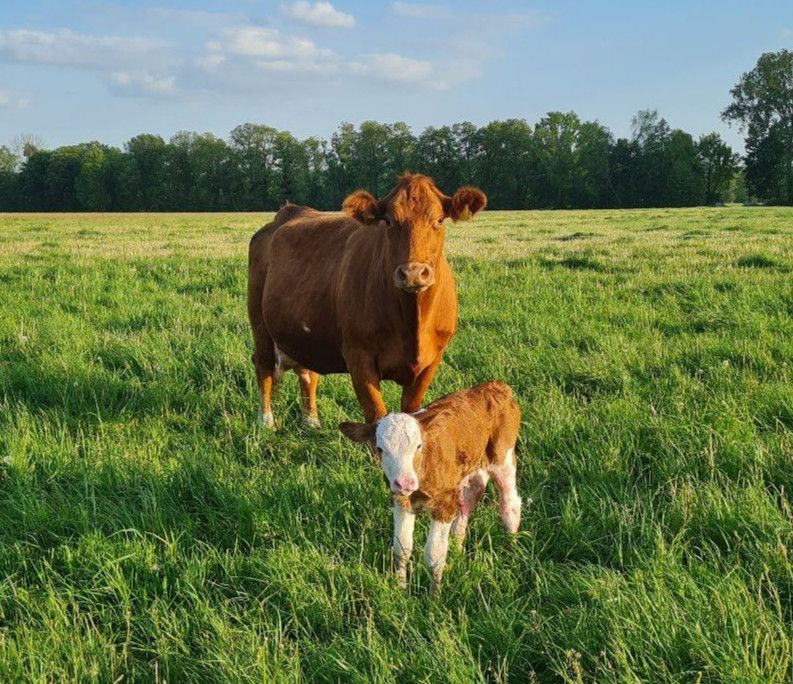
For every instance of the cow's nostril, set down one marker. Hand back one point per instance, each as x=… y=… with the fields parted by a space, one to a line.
x=425 y=273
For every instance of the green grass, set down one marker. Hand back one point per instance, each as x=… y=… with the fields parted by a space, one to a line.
x=147 y=530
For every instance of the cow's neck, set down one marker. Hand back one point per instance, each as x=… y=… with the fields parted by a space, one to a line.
x=416 y=313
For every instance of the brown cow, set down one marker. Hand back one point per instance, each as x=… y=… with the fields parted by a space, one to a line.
x=366 y=292
x=440 y=460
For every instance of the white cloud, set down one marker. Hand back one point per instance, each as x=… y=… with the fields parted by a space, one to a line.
x=67 y=48
x=211 y=61
x=143 y=82
x=308 y=67
x=393 y=68
x=199 y=18
x=419 y=11
x=256 y=41
x=11 y=99
x=318 y=14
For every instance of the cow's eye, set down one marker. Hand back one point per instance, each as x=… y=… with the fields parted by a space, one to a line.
x=419 y=447
x=387 y=221
x=439 y=223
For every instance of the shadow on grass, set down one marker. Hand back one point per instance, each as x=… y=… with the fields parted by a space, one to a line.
x=82 y=394
x=761 y=261
x=575 y=263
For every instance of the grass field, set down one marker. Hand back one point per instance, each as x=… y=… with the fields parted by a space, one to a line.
x=149 y=532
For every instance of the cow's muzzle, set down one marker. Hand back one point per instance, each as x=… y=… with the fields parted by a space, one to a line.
x=414 y=277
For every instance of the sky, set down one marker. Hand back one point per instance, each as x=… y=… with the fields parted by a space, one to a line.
x=78 y=70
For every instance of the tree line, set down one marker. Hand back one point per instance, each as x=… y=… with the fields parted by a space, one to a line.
x=559 y=162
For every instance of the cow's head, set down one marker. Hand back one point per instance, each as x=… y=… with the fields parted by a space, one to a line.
x=414 y=213
x=397 y=440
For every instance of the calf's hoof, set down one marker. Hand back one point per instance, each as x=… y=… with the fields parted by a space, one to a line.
x=402 y=578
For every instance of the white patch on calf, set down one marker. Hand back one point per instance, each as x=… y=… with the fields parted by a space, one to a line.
x=435 y=551
x=404 y=522
x=504 y=476
x=398 y=435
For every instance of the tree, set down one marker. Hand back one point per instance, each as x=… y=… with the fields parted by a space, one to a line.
x=8 y=179
x=253 y=149
x=763 y=107
x=92 y=190
x=147 y=173
x=554 y=146
x=719 y=164
x=8 y=160
x=506 y=165
x=685 y=181
x=651 y=136
x=592 y=165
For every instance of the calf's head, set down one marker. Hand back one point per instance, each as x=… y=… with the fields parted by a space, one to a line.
x=397 y=441
x=414 y=213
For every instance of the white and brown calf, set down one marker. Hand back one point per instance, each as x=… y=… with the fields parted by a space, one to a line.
x=440 y=460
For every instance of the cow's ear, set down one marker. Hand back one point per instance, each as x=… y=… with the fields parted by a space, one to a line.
x=362 y=207
x=465 y=203
x=358 y=432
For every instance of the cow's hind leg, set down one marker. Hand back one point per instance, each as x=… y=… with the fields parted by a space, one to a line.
x=308 y=396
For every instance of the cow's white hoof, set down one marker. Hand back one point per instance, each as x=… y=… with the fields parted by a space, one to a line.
x=311 y=422
x=266 y=420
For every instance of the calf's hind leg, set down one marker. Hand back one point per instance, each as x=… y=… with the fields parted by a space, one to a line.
x=470 y=496
x=504 y=475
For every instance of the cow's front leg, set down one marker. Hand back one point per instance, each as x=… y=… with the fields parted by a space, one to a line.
x=404 y=522
x=413 y=394
x=435 y=552
x=366 y=383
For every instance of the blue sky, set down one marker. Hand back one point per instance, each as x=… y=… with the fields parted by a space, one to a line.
x=78 y=70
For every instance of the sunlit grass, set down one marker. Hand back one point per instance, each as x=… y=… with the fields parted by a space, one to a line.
x=148 y=530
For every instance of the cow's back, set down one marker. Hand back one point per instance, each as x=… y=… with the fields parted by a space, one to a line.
x=299 y=255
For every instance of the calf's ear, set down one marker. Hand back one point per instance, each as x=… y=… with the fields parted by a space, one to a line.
x=362 y=207
x=465 y=203
x=358 y=432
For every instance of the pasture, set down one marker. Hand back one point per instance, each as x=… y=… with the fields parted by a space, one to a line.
x=149 y=532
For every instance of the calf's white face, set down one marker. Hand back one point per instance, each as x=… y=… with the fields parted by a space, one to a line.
x=398 y=441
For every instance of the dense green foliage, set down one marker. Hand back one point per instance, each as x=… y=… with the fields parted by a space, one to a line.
x=763 y=105
x=148 y=530
x=561 y=162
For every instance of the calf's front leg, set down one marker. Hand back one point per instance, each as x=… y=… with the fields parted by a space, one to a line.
x=404 y=522
x=435 y=552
